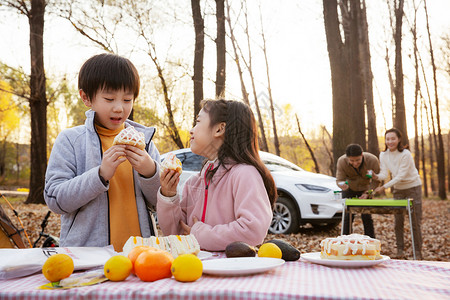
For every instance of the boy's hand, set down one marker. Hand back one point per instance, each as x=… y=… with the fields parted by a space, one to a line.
x=112 y=158
x=141 y=161
x=169 y=182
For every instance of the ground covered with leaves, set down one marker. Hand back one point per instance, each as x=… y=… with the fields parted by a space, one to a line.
x=435 y=230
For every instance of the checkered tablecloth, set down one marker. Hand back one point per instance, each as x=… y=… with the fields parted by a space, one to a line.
x=393 y=279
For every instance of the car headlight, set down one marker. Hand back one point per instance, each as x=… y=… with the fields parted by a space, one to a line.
x=312 y=188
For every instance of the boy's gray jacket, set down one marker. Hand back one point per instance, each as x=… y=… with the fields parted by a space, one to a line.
x=73 y=187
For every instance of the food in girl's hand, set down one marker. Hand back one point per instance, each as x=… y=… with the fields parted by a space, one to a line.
x=172 y=163
x=239 y=249
x=57 y=267
x=350 y=247
x=130 y=136
x=118 y=268
x=289 y=252
x=270 y=250
x=175 y=244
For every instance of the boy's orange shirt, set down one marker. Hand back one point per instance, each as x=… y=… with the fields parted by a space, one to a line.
x=123 y=215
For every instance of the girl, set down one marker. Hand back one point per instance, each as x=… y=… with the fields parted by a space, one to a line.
x=406 y=184
x=231 y=199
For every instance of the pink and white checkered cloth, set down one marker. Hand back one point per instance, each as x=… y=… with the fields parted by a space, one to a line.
x=393 y=279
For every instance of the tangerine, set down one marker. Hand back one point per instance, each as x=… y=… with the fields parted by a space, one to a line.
x=135 y=252
x=153 y=265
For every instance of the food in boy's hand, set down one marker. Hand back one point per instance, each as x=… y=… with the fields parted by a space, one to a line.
x=130 y=136
x=152 y=265
x=270 y=250
x=187 y=268
x=239 y=249
x=57 y=267
x=289 y=252
x=172 y=163
x=175 y=244
x=350 y=247
x=118 y=268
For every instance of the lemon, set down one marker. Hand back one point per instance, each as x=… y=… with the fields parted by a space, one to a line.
x=57 y=267
x=187 y=268
x=270 y=250
x=118 y=268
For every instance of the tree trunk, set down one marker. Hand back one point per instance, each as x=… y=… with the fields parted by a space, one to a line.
x=330 y=153
x=308 y=146
x=430 y=141
x=440 y=156
x=38 y=104
x=372 y=137
x=269 y=90
x=356 y=91
x=448 y=160
x=416 y=91
x=236 y=56
x=422 y=143
x=220 y=49
x=17 y=162
x=400 y=114
x=339 y=79
x=3 y=159
x=199 y=27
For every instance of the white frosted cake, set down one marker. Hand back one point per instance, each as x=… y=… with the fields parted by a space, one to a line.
x=350 y=247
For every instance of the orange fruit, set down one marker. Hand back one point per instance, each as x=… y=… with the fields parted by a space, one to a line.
x=153 y=265
x=134 y=253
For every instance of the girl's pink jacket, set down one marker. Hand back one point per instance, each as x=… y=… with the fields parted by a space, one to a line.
x=238 y=208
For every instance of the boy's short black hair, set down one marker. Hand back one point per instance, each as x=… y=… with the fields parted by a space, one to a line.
x=354 y=150
x=108 y=71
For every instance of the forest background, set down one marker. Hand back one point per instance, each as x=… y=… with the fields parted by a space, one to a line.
x=318 y=75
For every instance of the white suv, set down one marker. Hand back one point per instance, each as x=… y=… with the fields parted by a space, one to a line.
x=303 y=197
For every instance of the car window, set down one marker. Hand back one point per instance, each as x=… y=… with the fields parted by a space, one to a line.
x=280 y=166
x=191 y=161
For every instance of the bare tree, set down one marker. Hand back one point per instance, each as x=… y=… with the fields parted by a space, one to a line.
x=440 y=150
x=416 y=89
x=367 y=76
x=339 y=79
x=34 y=10
x=269 y=89
x=422 y=143
x=220 y=49
x=199 y=27
x=400 y=113
x=329 y=153
x=308 y=146
x=236 y=55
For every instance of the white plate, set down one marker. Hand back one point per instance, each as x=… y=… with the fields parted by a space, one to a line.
x=240 y=265
x=204 y=255
x=315 y=258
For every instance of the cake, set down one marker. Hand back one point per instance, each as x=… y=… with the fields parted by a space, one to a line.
x=172 y=163
x=175 y=244
x=350 y=247
x=130 y=136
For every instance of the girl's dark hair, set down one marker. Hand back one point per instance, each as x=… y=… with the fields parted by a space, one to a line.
x=108 y=71
x=398 y=133
x=241 y=138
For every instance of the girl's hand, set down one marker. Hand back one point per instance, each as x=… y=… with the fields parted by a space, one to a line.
x=374 y=176
x=141 y=161
x=169 y=181
x=112 y=158
x=379 y=190
x=186 y=229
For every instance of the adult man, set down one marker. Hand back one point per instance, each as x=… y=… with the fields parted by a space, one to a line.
x=355 y=168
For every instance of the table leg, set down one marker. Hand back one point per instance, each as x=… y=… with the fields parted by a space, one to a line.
x=344 y=209
x=411 y=227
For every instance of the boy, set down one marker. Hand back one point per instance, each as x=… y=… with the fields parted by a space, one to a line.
x=102 y=191
x=356 y=167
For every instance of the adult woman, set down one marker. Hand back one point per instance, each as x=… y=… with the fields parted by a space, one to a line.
x=406 y=183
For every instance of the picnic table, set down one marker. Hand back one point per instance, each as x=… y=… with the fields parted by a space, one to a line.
x=392 y=279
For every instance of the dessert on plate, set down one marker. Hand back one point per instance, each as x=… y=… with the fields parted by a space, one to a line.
x=175 y=244
x=130 y=136
x=350 y=247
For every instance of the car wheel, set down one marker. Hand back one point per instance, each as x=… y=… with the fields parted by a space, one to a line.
x=285 y=217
